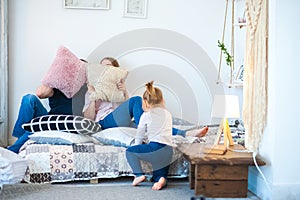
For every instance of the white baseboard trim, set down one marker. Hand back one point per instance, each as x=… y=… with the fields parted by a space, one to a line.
x=269 y=190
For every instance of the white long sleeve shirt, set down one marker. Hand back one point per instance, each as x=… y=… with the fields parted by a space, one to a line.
x=155 y=126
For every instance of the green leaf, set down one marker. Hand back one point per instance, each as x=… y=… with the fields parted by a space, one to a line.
x=229 y=58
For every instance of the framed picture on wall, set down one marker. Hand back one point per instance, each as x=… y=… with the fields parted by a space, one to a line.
x=87 y=4
x=135 y=8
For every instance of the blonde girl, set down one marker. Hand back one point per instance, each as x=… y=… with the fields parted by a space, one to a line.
x=155 y=129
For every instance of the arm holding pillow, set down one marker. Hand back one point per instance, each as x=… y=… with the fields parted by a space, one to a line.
x=90 y=111
x=44 y=91
x=122 y=87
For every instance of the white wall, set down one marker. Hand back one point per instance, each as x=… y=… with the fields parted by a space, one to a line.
x=281 y=139
x=38 y=28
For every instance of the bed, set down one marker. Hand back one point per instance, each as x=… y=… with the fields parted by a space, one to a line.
x=61 y=163
x=59 y=156
x=51 y=163
x=188 y=92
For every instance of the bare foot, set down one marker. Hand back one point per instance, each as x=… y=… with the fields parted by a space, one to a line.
x=197 y=132
x=202 y=132
x=138 y=180
x=160 y=184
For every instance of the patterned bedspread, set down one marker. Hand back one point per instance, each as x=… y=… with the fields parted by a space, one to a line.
x=61 y=163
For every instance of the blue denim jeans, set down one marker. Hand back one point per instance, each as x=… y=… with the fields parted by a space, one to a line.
x=30 y=108
x=159 y=155
x=123 y=114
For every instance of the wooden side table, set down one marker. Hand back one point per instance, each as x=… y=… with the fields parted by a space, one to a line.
x=218 y=175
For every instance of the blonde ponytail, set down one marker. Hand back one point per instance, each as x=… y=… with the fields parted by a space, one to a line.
x=152 y=95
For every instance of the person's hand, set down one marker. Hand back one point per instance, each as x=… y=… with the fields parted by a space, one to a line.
x=90 y=88
x=44 y=91
x=121 y=86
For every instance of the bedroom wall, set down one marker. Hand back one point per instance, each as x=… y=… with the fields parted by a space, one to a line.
x=281 y=137
x=38 y=28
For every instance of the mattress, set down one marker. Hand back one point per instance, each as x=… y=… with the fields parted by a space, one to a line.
x=49 y=163
x=61 y=163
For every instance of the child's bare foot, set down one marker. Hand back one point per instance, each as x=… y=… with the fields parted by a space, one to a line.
x=138 y=180
x=160 y=184
x=202 y=132
x=198 y=132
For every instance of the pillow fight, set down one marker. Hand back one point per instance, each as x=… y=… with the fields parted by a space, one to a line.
x=107 y=105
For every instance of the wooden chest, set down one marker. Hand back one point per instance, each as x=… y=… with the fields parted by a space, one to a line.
x=218 y=175
x=221 y=180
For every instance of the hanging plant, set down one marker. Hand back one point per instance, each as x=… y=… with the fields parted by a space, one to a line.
x=229 y=58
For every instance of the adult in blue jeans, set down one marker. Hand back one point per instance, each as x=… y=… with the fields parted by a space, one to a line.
x=32 y=107
x=110 y=114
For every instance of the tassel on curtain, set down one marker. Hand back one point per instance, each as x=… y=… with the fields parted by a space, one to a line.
x=256 y=72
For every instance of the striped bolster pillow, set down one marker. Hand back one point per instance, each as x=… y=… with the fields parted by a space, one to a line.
x=65 y=123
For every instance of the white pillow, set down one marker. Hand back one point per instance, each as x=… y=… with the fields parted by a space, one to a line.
x=118 y=136
x=59 y=138
x=105 y=79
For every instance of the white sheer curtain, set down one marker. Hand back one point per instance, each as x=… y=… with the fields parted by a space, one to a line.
x=3 y=73
x=256 y=72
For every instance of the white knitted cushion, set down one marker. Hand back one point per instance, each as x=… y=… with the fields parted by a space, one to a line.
x=105 y=79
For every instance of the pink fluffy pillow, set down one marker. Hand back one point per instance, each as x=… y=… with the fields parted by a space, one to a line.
x=67 y=73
